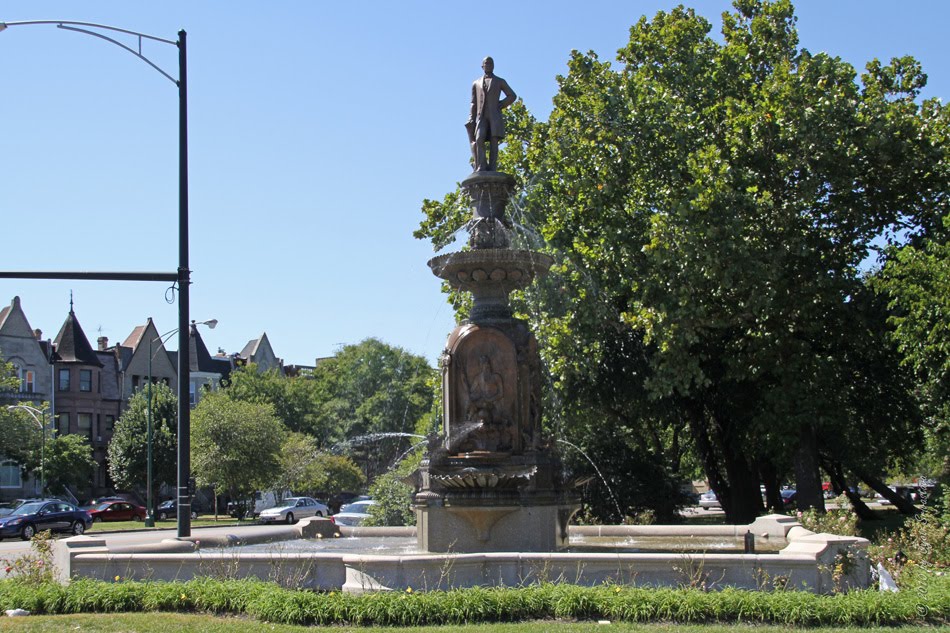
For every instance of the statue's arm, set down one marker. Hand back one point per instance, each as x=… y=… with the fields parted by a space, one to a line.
x=474 y=110
x=510 y=96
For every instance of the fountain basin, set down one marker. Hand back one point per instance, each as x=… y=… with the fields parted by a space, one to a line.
x=805 y=560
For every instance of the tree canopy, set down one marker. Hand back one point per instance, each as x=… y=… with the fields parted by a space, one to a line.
x=711 y=204
x=128 y=450
x=235 y=445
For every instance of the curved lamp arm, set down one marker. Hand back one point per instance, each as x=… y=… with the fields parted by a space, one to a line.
x=74 y=26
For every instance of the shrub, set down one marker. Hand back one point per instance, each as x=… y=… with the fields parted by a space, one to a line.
x=923 y=542
x=927 y=603
x=35 y=568
x=393 y=502
x=841 y=521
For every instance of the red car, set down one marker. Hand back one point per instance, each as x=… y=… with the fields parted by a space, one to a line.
x=116 y=511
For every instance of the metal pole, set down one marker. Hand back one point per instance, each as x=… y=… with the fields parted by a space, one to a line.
x=184 y=280
x=149 y=510
x=43 y=460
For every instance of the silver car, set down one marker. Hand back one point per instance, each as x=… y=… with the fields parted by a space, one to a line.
x=709 y=501
x=294 y=508
x=354 y=513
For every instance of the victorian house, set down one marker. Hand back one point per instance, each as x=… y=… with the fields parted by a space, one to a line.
x=88 y=400
x=25 y=349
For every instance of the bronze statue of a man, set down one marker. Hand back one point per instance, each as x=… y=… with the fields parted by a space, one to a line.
x=485 y=123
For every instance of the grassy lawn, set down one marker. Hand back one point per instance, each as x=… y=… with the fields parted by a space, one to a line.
x=201 y=521
x=175 y=622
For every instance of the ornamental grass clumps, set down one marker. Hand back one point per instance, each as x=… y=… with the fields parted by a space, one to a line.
x=925 y=601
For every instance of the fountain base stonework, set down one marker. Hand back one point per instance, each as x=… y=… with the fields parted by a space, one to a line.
x=490 y=482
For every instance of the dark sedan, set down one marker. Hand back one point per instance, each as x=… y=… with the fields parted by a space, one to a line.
x=37 y=516
x=116 y=511
x=169 y=510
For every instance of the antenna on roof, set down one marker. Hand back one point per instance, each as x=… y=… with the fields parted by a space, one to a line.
x=70 y=301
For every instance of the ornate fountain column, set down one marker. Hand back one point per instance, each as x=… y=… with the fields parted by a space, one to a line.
x=490 y=482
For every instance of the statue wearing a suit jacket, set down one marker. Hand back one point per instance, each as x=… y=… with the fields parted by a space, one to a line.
x=485 y=123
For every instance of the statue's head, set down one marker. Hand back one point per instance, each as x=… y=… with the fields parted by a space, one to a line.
x=488 y=65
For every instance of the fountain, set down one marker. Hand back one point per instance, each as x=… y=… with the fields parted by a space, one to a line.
x=491 y=482
x=492 y=502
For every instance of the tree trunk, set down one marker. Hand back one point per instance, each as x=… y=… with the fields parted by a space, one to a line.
x=807 y=474
x=836 y=474
x=902 y=504
x=773 y=486
x=746 y=500
x=730 y=474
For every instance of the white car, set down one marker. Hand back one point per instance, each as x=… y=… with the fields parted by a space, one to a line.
x=354 y=513
x=292 y=509
x=709 y=500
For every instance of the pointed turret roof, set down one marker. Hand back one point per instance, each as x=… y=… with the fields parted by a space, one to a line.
x=72 y=346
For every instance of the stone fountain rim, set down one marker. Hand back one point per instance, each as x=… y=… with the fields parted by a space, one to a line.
x=487 y=256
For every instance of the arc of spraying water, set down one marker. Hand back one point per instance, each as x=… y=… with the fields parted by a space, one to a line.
x=599 y=474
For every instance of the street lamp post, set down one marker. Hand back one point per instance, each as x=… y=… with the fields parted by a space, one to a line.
x=35 y=413
x=182 y=277
x=150 y=514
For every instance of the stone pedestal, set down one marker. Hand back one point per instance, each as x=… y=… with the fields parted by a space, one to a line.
x=490 y=482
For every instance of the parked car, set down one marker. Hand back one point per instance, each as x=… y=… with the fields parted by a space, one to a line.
x=709 y=500
x=263 y=500
x=354 y=513
x=294 y=508
x=169 y=510
x=9 y=506
x=789 y=496
x=36 y=516
x=116 y=511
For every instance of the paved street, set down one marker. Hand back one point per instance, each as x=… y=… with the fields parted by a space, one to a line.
x=15 y=547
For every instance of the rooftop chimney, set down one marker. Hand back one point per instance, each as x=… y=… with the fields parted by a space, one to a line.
x=38 y=334
x=103 y=343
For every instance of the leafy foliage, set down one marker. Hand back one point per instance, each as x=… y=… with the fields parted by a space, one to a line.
x=917 y=282
x=69 y=462
x=128 y=450
x=370 y=389
x=292 y=398
x=304 y=469
x=235 y=445
x=20 y=438
x=710 y=203
x=266 y=602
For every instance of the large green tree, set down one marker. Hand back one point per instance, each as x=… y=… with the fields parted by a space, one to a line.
x=235 y=445
x=128 y=449
x=367 y=393
x=710 y=202
x=291 y=397
x=69 y=462
x=305 y=469
x=916 y=281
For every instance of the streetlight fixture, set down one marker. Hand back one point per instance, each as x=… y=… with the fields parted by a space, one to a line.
x=150 y=515
x=182 y=277
x=35 y=413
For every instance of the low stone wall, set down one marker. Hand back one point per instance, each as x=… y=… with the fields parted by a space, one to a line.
x=821 y=563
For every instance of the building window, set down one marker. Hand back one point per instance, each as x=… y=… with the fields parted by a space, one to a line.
x=193 y=393
x=10 y=474
x=110 y=425
x=64 y=380
x=84 y=425
x=85 y=380
x=62 y=424
x=26 y=380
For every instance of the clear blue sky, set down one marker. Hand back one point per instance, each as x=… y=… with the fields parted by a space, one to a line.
x=316 y=130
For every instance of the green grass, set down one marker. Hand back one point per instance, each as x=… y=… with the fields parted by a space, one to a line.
x=925 y=601
x=201 y=521
x=182 y=623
